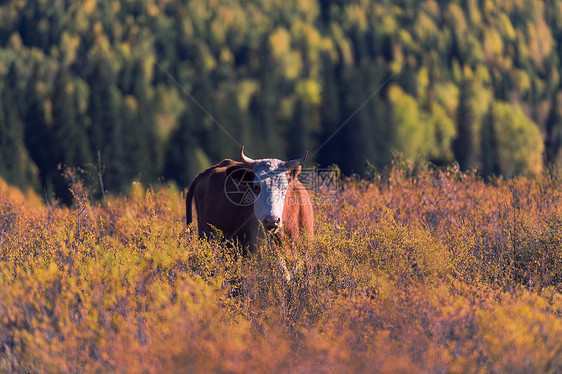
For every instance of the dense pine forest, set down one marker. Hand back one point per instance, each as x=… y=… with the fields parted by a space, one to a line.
x=151 y=90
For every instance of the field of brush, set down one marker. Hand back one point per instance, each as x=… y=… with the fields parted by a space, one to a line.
x=419 y=270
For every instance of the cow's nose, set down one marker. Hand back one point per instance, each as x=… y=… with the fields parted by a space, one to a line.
x=271 y=222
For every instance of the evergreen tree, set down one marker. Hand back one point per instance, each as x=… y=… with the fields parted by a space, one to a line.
x=68 y=134
x=106 y=129
x=330 y=112
x=263 y=105
x=299 y=131
x=38 y=134
x=381 y=131
x=463 y=143
x=185 y=158
x=29 y=26
x=350 y=96
x=489 y=147
x=15 y=166
x=140 y=136
x=357 y=132
x=553 y=137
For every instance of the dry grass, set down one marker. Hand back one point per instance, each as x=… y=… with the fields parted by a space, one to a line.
x=419 y=271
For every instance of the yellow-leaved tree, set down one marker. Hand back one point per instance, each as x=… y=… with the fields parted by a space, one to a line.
x=520 y=145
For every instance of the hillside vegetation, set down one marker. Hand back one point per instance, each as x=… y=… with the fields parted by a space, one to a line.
x=144 y=89
x=418 y=271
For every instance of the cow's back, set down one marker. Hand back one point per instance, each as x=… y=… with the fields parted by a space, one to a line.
x=215 y=210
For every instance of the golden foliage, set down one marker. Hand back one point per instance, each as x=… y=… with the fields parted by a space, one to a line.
x=421 y=270
x=521 y=146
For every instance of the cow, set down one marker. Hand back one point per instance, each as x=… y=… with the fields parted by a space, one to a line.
x=246 y=197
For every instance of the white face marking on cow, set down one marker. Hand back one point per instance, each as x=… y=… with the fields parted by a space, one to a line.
x=271 y=175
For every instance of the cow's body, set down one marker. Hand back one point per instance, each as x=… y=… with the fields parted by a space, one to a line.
x=297 y=213
x=215 y=210
x=243 y=198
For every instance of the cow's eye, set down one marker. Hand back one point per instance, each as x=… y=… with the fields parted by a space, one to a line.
x=256 y=188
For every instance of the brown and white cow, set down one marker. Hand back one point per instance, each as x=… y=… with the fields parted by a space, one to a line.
x=241 y=198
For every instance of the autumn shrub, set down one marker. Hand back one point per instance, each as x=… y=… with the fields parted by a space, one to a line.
x=416 y=270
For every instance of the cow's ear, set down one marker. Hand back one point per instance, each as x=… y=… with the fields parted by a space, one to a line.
x=293 y=173
x=240 y=174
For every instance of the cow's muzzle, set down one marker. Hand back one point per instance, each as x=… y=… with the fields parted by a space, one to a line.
x=272 y=223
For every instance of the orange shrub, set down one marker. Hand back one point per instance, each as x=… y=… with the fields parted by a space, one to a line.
x=421 y=270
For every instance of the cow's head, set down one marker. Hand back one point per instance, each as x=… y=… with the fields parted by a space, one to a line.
x=271 y=179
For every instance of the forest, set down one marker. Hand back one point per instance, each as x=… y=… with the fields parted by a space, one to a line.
x=440 y=250
x=154 y=90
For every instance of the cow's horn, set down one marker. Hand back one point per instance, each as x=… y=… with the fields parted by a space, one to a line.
x=294 y=163
x=244 y=158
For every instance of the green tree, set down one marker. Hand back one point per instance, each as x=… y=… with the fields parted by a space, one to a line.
x=69 y=137
x=330 y=110
x=413 y=132
x=107 y=135
x=27 y=106
x=68 y=133
x=463 y=143
x=141 y=140
x=358 y=135
x=516 y=139
x=185 y=158
x=15 y=165
x=489 y=145
x=553 y=136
